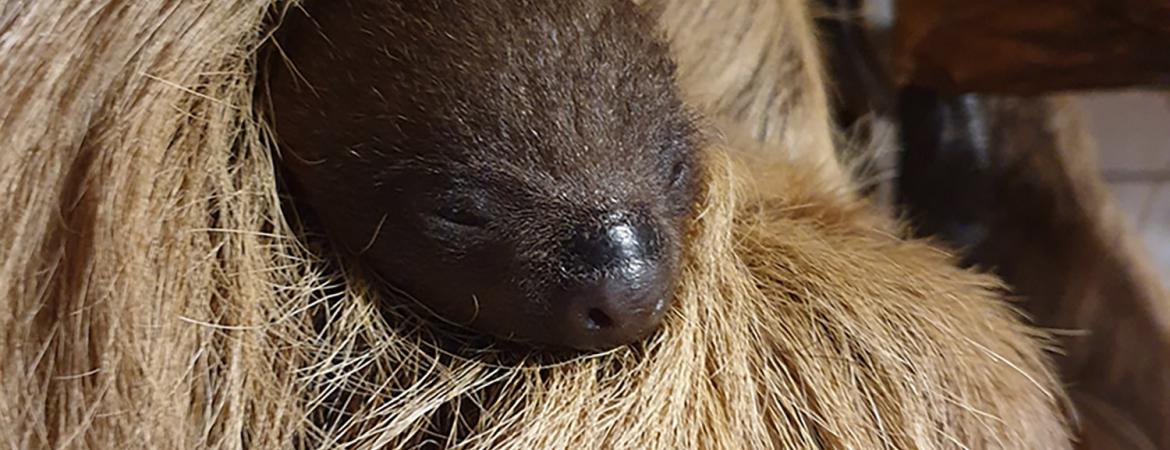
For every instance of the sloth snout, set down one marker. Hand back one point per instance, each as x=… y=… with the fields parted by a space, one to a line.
x=620 y=285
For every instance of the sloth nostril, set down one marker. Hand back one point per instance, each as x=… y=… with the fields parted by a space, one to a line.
x=598 y=319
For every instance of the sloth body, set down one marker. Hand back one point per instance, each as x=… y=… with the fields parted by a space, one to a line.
x=524 y=167
x=156 y=297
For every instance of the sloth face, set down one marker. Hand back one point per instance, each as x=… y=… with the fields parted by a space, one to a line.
x=522 y=168
x=581 y=256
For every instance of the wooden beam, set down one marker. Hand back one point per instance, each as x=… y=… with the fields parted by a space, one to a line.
x=1032 y=46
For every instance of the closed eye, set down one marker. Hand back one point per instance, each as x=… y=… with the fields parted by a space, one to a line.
x=678 y=173
x=462 y=216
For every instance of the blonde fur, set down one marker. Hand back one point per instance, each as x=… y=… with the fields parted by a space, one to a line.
x=754 y=68
x=156 y=298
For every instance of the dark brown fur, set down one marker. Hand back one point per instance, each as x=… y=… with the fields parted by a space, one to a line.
x=1015 y=184
x=484 y=136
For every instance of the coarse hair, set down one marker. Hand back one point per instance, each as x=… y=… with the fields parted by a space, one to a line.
x=157 y=297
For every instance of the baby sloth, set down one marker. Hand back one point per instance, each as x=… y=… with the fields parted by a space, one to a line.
x=522 y=167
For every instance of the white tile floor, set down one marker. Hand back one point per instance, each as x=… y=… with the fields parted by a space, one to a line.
x=1132 y=129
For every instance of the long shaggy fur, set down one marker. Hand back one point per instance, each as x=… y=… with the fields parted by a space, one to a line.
x=754 y=68
x=156 y=298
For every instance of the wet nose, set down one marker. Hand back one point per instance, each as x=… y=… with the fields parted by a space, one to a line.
x=622 y=283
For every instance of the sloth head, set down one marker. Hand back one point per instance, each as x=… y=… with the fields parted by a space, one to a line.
x=525 y=168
